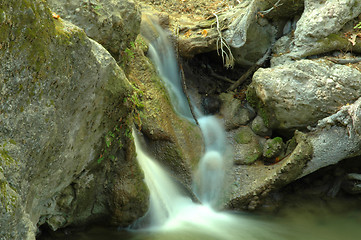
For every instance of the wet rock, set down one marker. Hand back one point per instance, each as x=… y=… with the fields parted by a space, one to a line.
x=252 y=183
x=335 y=138
x=299 y=94
x=247 y=146
x=171 y=139
x=234 y=113
x=114 y=24
x=211 y=105
x=352 y=183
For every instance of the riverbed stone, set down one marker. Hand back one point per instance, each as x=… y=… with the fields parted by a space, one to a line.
x=320 y=19
x=246 y=144
x=273 y=148
x=234 y=113
x=259 y=127
x=335 y=138
x=324 y=26
x=254 y=182
x=298 y=94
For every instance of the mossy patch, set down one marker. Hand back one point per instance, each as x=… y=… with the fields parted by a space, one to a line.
x=273 y=147
x=252 y=99
x=244 y=136
x=8 y=197
x=174 y=141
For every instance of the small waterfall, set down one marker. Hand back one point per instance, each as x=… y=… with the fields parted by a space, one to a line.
x=173 y=213
x=210 y=176
x=209 y=179
x=166 y=199
x=174 y=216
x=163 y=56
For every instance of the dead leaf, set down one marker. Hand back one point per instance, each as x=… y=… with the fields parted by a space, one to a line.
x=55 y=16
x=188 y=33
x=204 y=33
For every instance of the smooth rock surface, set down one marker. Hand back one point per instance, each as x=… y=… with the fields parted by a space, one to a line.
x=247 y=146
x=298 y=94
x=336 y=138
x=112 y=23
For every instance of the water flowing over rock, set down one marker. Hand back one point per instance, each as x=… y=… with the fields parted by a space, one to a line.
x=175 y=141
x=61 y=92
x=306 y=85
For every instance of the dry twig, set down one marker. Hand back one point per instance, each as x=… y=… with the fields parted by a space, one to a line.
x=226 y=54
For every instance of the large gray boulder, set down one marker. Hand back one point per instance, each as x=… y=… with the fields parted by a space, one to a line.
x=321 y=29
x=61 y=94
x=112 y=23
x=298 y=94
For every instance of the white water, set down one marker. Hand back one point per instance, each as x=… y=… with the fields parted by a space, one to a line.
x=209 y=179
x=169 y=210
x=164 y=59
x=174 y=216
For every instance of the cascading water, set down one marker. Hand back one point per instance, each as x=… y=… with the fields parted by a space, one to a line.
x=210 y=176
x=172 y=212
x=166 y=199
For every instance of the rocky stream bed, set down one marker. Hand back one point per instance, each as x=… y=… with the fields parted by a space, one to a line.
x=283 y=75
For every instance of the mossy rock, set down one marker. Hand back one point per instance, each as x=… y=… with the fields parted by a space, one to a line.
x=259 y=127
x=273 y=148
x=174 y=141
x=256 y=103
x=247 y=146
x=244 y=135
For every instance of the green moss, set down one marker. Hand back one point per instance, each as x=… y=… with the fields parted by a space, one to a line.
x=8 y=197
x=274 y=147
x=244 y=136
x=141 y=43
x=251 y=158
x=252 y=99
x=4 y=154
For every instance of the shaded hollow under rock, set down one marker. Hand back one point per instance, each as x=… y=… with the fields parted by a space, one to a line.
x=206 y=78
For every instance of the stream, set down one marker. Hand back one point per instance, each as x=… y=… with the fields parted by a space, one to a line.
x=293 y=223
x=173 y=215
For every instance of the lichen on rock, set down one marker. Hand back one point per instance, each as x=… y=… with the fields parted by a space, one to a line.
x=61 y=92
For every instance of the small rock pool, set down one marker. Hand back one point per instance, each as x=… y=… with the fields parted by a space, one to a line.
x=308 y=220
